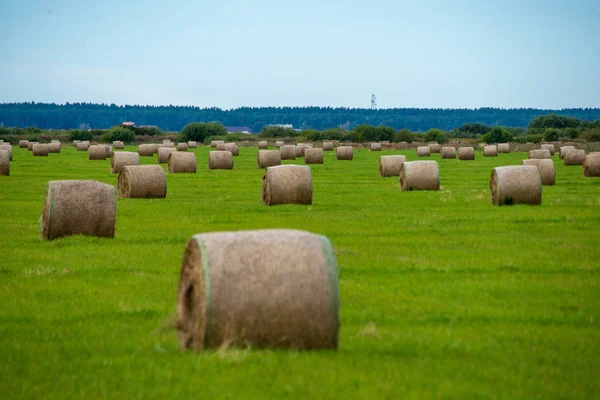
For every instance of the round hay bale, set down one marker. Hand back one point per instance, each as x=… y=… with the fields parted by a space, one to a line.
x=23 y=144
x=142 y=181
x=490 y=150
x=344 y=152
x=181 y=162
x=108 y=149
x=423 y=151
x=146 y=150
x=54 y=148
x=516 y=184
x=279 y=143
x=420 y=175
x=182 y=146
x=76 y=142
x=8 y=148
x=4 y=163
x=591 y=165
x=288 y=152
x=232 y=147
x=434 y=147
x=313 y=155
x=96 y=152
x=299 y=151
x=263 y=145
x=117 y=144
x=287 y=184
x=563 y=150
x=220 y=159
x=503 y=148
x=466 y=153
x=448 y=152
x=545 y=167
x=264 y=289
x=55 y=141
x=549 y=147
x=390 y=165
x=574 y=157
x=82 y=146
x=163 y=154
x=40 y=150
x=167 y=141
x=122 y=159
x=192 y=145
x=539 y=154
x=375 y=147
x=75 y=207
x=327 y=146
x=268 y=158
x=30 y=145
x=215 y=143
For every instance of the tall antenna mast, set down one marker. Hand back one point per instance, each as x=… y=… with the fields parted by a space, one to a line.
x=373 y=102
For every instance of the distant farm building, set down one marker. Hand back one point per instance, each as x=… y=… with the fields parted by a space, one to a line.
x=238 y=129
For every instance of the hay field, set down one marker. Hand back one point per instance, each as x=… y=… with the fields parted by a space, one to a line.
x=442 y=294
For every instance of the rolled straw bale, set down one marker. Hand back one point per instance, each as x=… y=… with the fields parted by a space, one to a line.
x=182 y=146
x=54 y=148
x=539 y=154
x=117 y=144
x=82 y=146
x=76 y=142
x=574 y=157
x=264 y=289
x=313 y=155
x=55 y=141
x=263 y=145
x=23 y=144
x=8 y=148
x=344 y=152
x=481 y=146
x=167 y=141
x=30 y=145
x=375 y=147
x=549 y=147
x=96 y=152
x=466 y=153
x=288 y=152
x=146 y=150
x=182 y=161
x=448 y=152
x=191 y=144
x=591 y=165
x=563 y=150
x=490 y=150
x=163 y=154
x=40 y=149
x=86 y=142
x=390 y=165
x=434 y=147
x=108 y=149
x=516 y=184
x=122 y=159
x=220 y=159
x=299 y=151
x=215 y=143
x=4 y=162
x=268 y=158
x=79 y=207
x=171 y=145
x=420 y=175
x=423 y=151
x=142 y=181
x=232 y=147
x=279 y=143
x=503 y=148
x=287 y=184
x=545 y=167
x=327 y=146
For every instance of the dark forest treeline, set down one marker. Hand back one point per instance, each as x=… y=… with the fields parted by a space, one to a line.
x=174 y=118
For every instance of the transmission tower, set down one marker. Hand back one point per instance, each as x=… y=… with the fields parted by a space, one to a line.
x=373 y=102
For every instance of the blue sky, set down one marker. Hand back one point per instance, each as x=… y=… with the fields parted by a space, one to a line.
x=449 y=54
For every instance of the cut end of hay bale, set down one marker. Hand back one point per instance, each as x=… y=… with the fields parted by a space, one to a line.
x=375 y=147
x=466 y=153
x=545 y=167
x=146 y=150
x=142 y=181
x=448 y=152
x=122 y=159
x=423 y=151
x=539 y=154
x=288 y=152
x=516 y=185
x=390 y=165
x=490 y=150
x=313 y=156
x=419 y=175
x=40 y=149
x=574 y=157
x=344 y=153
x=182 y=147
x=4 y=163
x=591 y=165
x=287 y=184
x=96 y=152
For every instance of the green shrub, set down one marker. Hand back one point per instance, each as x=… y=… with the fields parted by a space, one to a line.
x=119 y=133
x=498 y=135
x=552 y=134
x=405 y=135
x=435 y=135
x=76 y=134
x=199 y=131
x=592 y=135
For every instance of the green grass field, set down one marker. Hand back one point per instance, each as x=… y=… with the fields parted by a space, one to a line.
x=442 y=294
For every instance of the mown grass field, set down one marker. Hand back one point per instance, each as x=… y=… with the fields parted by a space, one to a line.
x=442 y=294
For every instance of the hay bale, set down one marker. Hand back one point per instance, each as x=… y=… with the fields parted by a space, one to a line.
x=8 y=148
x=30 y=145
x=181 y=162
x=545 y=167
x=292 y=301
x=192 y=145
x=167 y=142
x=163 y=154
x=344 y=153
x=4 y=162
x=268 y=158
x=215 y=143
x=423 y=151
x=490 y=150
x=420 y=175
x=82 y=146
x=288 y=152
x=503 y=148
x=287 y=184
x=516 y=184
x=108 y=149
x=448 y=152
x=466 y=153
x=40 y=150
x=96 y=152
x=263 y=145
x=563 y=150
x=122 y=159
x=220 y=159
x=54 y=148
x=182 y=147
x=539 y=154
x=146 y=150
x=76 y=142
x=79 y=208
x=375 y=147
x=23 y=144
x=434 y=147
x=142 y=181
x=574 y=157
x=279 y=143
x=591 y=165
x=232 y=147
x=549 y=147
x=118 y=145
x=313 y=155
x=390 y=165
x=327 y=146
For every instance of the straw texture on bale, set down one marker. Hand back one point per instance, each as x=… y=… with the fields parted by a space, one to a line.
x=563 y=150
x=268 y=158
x=108 y=149
x=299 y=151
x=53 y=147
x=574 y=157
x=287 y=184
x=591 y=165
x=434 y=148
x=40 y=149
x=313 y=155
x=82 y=146
x=279 y=143
x=146 y=150
x=375 y=147
x=263 y=145
x=23 y=144
x=545 y=167
x=423 y=151
x=122 y=159
x=327 y=146
x=344 y=153
x=288 y=152
x=30 y=145
x=466 y=153
x=96 y=152
x=167 y=141
x=490 y=150
x=4 y=163
x=232 y=147
x=142 y=181
x=419 y=175
x=118 y=145
x=182 y=146
x=220 y=159
x=390 y=165
x=549 y=147
x=539 y=153
x=79 y=207
x=76 y=142
x=503 y=148
x=182 y=161
x=191 y=144
x=215 y=143
x=448 y=152
x=516 y=184
x=292 y=301
x=8 y=148
x=163 y=154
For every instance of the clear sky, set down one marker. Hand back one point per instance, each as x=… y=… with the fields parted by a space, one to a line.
x=228 y=53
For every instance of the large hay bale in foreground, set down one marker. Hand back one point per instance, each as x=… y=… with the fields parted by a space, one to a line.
x=279 y=143
x=23 y=144
x=182 y=162
x=215 y=143
x=490 y=150
x=390 y=165
x=434 y=147
x=268 y=158
x=344 y=153
x=591 y=165
x=8 y=148
x=574 y=157
x=548 y=146
x=288 y=152
x=545 y=167
x=313 y=155
x=563 y=150
x=327 y=146
x=30 y=145
x=79 y=207
x=82 y=146
x=375 y=147
x=192 y=145
x=122 y=159
x=448 y=152
x=118 y=145
x=423 y=151
x=263 y=145
x=232 y=147
x=142 y=181
x=146 y=150
x=182 y=147
x=419 y=175
x=466 y=153
x=4 y=163
x=54 y=148
x=292 y=301
x=162 y=155
x=503 y=148
x=40 y=150
x=539 y=154
x=96 y=152
x=516 y=184
x=220 y=159
x=287 y=184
